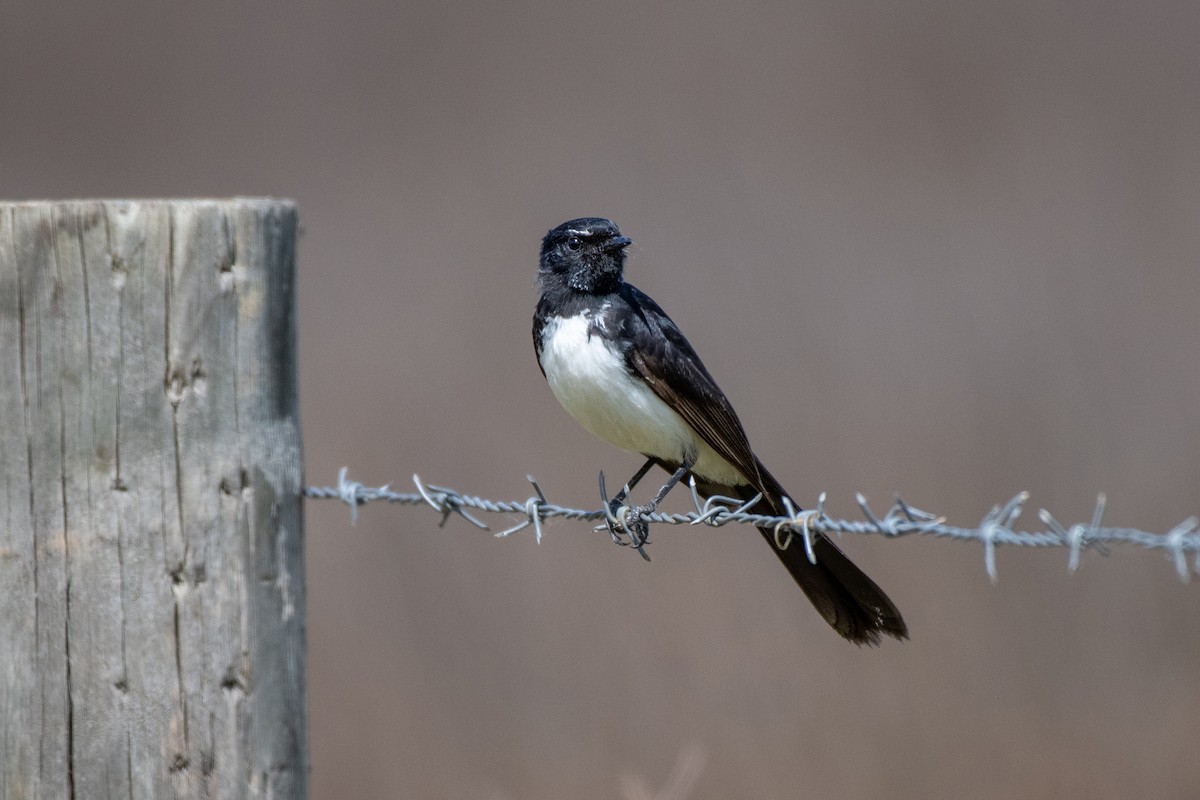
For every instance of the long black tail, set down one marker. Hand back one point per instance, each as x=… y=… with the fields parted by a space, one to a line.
x=843 y=594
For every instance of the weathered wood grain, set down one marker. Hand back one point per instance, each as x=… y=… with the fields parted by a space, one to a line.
x=151 y=564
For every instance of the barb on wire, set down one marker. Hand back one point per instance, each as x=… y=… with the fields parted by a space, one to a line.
x=901 y=519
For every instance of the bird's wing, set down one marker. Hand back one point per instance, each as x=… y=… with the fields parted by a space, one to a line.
x=540 y=316
x=662 y=357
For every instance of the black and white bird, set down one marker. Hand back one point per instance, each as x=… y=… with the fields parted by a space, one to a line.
x=623 y=370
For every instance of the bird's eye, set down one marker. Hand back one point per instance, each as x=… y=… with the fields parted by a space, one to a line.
x=574 y=243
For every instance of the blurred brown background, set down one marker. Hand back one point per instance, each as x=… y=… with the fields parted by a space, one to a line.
x=966 y=236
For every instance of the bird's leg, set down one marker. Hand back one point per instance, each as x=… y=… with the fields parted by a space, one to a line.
x=632 y=482
x=615 y=526
x=675 y=478
x=639 y=531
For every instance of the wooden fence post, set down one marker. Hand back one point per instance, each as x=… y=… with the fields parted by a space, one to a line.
x=152 y=627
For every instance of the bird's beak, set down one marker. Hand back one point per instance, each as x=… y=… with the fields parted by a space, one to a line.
x=617 y=243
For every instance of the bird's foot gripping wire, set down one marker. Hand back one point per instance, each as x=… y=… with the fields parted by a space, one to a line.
x=624 y=521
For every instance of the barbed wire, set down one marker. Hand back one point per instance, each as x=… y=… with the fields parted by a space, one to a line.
x=901 y=519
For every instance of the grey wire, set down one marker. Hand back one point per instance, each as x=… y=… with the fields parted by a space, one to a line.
x=901 y=519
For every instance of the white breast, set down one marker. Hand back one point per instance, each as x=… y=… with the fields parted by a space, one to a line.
x=590 y=380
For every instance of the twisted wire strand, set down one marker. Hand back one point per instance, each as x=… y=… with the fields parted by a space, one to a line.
x=995 y=529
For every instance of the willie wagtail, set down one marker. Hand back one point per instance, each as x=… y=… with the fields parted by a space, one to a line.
x=624 y=371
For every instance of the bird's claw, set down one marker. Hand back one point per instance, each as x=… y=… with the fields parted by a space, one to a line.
x=626 y=521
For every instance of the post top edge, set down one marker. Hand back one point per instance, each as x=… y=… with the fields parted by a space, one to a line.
x=154 y=201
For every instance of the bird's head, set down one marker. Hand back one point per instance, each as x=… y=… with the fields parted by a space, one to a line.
x=586 y=254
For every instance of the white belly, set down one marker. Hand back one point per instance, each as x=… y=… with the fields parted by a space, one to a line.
x=590 y=380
